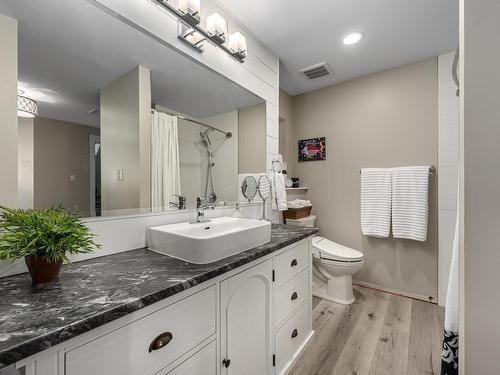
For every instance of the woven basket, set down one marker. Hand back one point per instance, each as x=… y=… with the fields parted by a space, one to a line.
x=297 y=213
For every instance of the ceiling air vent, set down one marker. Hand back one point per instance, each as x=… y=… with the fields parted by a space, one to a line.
x=315 y=71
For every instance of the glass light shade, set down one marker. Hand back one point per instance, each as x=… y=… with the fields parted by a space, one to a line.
x=237 y=43
x=189 y=6
x=194 y=37
x=26 y=107
x=216 y=24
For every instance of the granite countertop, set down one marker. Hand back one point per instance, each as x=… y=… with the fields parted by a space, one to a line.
x=94 y=292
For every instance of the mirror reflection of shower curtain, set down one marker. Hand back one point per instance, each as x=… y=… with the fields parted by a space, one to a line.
x=165 y=171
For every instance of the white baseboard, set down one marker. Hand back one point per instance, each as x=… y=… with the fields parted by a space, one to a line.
x=396 y=292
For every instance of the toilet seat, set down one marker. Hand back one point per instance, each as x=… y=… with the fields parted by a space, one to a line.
x=332 y=251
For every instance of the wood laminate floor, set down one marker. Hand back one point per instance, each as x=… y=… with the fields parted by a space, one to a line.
x=380 y=334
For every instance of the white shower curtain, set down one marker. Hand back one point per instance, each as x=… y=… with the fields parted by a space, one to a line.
x=449 y=356
x=165 y=174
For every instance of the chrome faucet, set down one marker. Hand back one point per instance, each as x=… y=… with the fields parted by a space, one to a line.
x=181 y=202
x=203 y=204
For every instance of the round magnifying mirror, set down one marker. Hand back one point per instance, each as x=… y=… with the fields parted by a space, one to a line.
x=264 y=187
x=249 y=187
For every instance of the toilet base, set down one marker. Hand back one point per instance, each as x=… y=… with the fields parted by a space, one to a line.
x=337 y=289
x=321 y=294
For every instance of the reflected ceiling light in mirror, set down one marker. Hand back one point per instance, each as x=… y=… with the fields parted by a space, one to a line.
x=216 y=27
x=26 y=107
x=38 y=94
x=352 y=38
x=190 y=10
x=237 y=43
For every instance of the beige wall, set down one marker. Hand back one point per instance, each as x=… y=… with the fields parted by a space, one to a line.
x=125 y=120
x=382 y=120
x=252 y=139
x=62 y=149
x=480 y=210
x=26 y=155
x=8 y=111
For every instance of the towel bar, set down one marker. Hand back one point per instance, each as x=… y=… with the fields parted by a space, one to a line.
x=432 y=170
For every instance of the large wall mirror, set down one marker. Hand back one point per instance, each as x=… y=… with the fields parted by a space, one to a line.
x=123 y=123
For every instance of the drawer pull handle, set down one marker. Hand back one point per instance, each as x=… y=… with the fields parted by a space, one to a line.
x=295 y=333
x=294 y=263
x=160 y=341
x=226 y=362
x=294 y=296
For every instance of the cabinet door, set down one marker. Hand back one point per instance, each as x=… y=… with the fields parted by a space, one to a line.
x=246 y=322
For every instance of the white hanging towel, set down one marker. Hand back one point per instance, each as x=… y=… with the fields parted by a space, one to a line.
x=410 y=202
x=278 y=192
x=376 y=202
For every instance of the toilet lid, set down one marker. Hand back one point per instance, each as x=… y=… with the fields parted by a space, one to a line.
x=334 y=251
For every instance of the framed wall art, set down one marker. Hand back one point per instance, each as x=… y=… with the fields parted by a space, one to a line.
x=312 y=149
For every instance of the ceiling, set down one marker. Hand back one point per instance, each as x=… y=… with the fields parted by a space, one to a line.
x=302 y=33
x=70 y=49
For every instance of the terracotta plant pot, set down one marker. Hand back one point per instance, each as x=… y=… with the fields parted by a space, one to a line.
x=42 y=271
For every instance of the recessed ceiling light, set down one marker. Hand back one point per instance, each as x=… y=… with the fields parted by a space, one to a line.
x=353 y=38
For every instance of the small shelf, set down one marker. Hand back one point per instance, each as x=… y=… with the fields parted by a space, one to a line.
x=297 y=188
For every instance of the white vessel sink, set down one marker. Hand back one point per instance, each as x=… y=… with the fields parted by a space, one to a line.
x=207 y=242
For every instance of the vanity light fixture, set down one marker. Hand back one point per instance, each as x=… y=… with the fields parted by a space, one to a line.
x=190 y=10
x=352 y=38
x=216 y=26
x=191 y=33
x=237 y=43
x=26 y=107
x=193 y=38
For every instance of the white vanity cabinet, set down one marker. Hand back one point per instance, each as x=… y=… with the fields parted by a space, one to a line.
x=293 y=303
x=252 y=320
x=246 y=316
x=148 y=344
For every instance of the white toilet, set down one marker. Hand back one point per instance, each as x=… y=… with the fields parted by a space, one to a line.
x=334 y=265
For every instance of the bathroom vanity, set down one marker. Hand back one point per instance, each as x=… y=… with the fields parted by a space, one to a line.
x=142 y=312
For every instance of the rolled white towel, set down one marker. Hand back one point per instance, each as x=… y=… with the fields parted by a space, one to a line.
x=299 y=203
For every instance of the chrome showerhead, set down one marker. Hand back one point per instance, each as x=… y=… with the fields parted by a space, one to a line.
x=205 y=138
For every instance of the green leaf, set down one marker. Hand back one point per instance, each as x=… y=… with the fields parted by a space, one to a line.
x=50 y=233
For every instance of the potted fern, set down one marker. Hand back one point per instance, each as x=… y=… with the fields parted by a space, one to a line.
x=44 y=237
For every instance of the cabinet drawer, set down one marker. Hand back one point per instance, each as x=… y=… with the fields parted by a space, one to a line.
x=128 y=351
x=291 y=262
x=291 y=295
x=291 y=335
x=202 y=362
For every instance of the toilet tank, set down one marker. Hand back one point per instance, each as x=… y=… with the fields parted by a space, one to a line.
x=307 y=221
